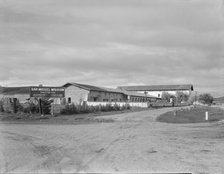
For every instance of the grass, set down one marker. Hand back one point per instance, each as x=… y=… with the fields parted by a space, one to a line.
x=193 y=115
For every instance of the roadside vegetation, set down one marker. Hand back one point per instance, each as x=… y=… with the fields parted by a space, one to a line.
x=79 y=109
x=192 y=115
x=206 y=98
x=67 y=109
x=79 y=112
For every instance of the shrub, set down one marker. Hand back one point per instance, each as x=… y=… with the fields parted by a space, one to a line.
x=117 y=107
x=193 y=97
x=46 y=106
x=28 y=108
x=181 y=96
x=166 y=97
x=107 y=108
x=34 y=108
x=70 y=109
x=80 y=109
x=206 y=98
x=1 y=107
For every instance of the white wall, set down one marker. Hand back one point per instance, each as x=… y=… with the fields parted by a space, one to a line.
x=159 y=93
x=77 y=94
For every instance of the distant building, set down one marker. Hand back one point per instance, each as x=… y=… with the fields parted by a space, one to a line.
x=77 y=93
x=21 y=93
x=157 y=90
x=25 y=93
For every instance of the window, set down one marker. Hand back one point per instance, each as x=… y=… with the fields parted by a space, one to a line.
x=69 y=100
x=94 y=98
x=158 y=95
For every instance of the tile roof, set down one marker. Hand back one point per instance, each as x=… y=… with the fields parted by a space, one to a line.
x=93 y=88
x=103 y=89
x=157 y=87
x=84 y=86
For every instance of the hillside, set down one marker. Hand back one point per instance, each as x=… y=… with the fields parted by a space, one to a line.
x=219 y=99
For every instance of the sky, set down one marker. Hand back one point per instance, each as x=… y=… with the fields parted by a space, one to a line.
x=112 y=43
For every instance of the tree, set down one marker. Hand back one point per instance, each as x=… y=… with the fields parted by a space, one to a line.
x=166 y=97
x=181 y=96
x=206 y=98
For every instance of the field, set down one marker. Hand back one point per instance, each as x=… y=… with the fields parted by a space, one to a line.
x=123 y=143
x=192 y=115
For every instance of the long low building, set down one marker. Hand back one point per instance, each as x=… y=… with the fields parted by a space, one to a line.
x=77 y=93
x=74 y=93
x=157 y=90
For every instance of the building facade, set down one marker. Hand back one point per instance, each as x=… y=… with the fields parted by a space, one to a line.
x=158 y=90
x=77 y=93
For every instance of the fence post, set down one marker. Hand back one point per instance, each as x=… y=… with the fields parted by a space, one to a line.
x=206 y=115
x=40 y=106
x=14 y=105
x=100 y=107
x=52 y=109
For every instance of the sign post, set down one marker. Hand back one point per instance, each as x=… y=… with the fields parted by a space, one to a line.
x=40 y=106
x=14 y=105
x=46 y=92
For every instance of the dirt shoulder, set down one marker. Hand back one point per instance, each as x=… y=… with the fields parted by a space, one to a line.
x=64 y=119
x=132 y=143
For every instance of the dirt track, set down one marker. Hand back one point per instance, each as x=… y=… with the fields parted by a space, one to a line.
x=134 y=142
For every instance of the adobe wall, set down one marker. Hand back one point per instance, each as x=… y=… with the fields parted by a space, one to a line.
x=76 y=94
x=101 y=96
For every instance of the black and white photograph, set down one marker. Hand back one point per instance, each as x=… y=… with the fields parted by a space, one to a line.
x=112 y=86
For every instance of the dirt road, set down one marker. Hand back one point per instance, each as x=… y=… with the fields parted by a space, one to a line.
x=134 y=142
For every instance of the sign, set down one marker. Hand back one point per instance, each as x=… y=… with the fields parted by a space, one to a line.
x=55 y=109
x=54 y=92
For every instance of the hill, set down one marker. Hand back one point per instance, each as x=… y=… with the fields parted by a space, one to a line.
x=219 y=99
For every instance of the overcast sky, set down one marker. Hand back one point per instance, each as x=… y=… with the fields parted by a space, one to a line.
x=113 y=42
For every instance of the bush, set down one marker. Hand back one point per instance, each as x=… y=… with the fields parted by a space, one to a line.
x=80 y=109
x=70 y=109
x=206 y=98
x=28 y=108
x=182 y=97
x=1 y=107
x=117 y=107
x=166 y=97
x=46 y=106
x=34 y=108
x=107 y=108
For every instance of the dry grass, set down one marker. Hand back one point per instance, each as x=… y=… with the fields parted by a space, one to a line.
x=193 y=115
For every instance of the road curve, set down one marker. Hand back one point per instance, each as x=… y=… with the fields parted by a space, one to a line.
x=134 y=142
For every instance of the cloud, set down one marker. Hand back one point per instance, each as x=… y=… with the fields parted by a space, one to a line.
x=111 y=43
